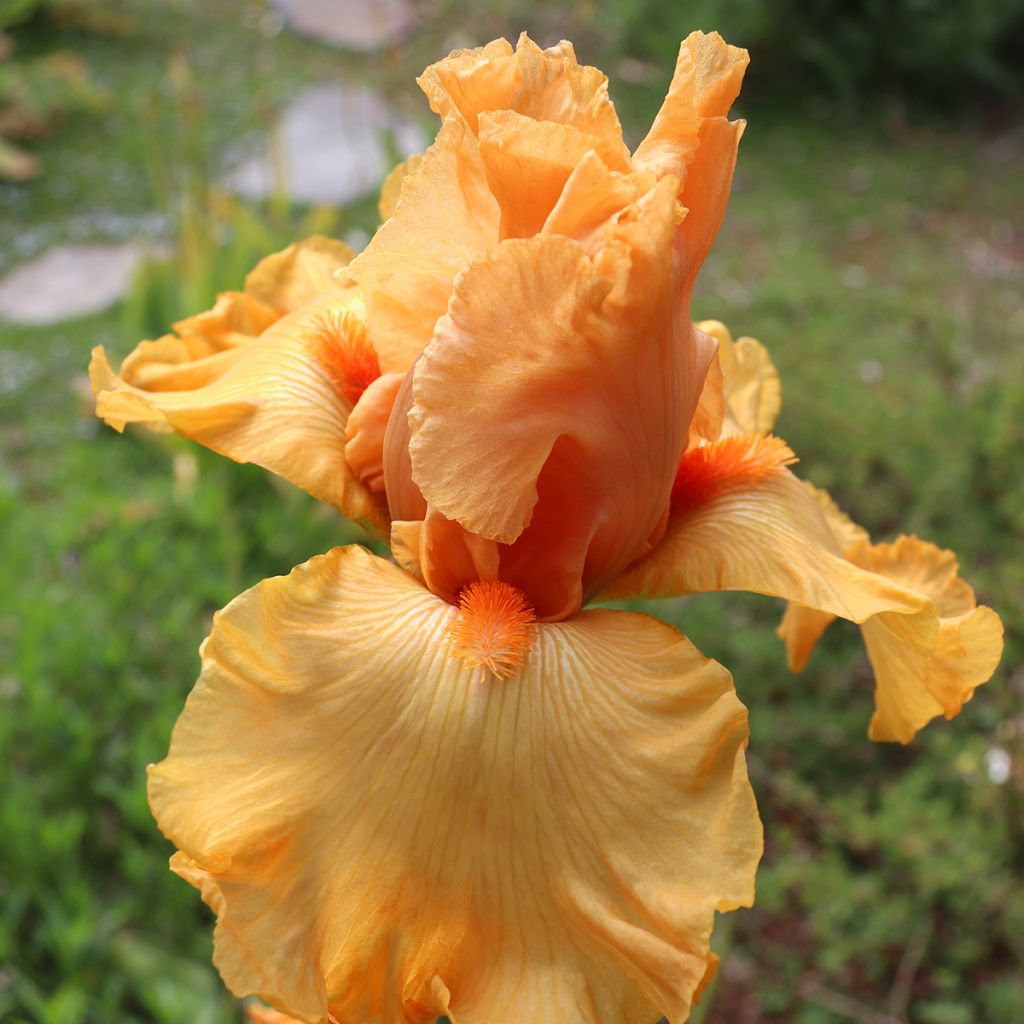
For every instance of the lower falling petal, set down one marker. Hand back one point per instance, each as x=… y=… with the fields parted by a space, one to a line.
x=388 y=834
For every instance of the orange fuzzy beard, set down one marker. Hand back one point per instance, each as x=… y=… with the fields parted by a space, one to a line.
x=340 y=344
x=494 y=628
x=742 y=460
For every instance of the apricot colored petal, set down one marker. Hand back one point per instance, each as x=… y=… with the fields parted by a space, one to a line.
x=528 y=164
x=801 y=628
x=707 y=78
x=930 y=663
x=443 y=554
x=257 y=1013
x=546 y=85
x=366 y=427
x=302 y=273
x=391 y=190
x=750 y=382
x=166 y=363
x=386 y=834
x=592 y=196
x=446 y=218
x=769 y=538
x=537 y=351
x=705 y=191
x=270 y=402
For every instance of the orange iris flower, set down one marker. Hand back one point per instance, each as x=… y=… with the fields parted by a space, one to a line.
x=438 y=787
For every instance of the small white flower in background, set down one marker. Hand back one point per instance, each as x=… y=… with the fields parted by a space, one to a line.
x=998 y=764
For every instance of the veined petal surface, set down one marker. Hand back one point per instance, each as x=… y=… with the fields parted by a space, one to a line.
x=706 y=81
x=386 y=834
x=764 y=535
x=272 y=402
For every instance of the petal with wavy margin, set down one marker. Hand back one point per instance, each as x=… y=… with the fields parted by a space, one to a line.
x=302 y=273
x=391 y=190
x=707 y=79
x=528 y=163
x=388 y=835
x=543 y=345
x=928 y=664
x=546 y=85
x=446 y=218
x=271 y=402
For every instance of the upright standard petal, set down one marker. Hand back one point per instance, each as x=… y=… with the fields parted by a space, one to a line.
x=545 y=85
x=575 y=401
x=388 y=834
x=446 y=218
x=706 y=81
x=281 y=401
x=693 y=140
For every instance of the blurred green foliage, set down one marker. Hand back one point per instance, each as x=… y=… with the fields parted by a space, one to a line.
x=37 y=91
x=884 y=276
x=841 y=54
x=928 y=52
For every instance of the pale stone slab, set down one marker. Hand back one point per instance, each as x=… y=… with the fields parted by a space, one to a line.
x=364 y=25
x=67 y=281
x=331 y=148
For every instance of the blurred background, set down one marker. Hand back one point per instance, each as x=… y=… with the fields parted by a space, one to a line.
x=151 y=152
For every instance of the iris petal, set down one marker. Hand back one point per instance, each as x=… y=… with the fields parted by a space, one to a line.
x=270 y=401
x=388 y=835
x=926 y=664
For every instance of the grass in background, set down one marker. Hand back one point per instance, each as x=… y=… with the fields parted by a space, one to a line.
x=883 y=274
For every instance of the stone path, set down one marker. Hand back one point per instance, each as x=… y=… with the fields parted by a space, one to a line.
x=350 y=24
x=332 y=145
x=333 y=148
x=68 y=281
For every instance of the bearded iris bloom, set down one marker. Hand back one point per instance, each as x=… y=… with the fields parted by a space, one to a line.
x=438 y=786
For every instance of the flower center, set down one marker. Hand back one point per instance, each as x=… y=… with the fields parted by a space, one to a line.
x=339 y=343
x=495 y=627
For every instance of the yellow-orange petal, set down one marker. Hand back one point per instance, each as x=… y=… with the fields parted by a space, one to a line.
x=391 y=190
x=386 y=834
x=576 y=353
x=801 y=628
x=927 y=664
x=302 y=273
x=750 y=383
x=367 y=424
x=528 y=163
x=258 y=1013
x=272 y=402
x=707 y=79
x=446 y=218
x=591 y=197
x=705 y=191
x=167 y=363
x=770 y=538
x=546 y=85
